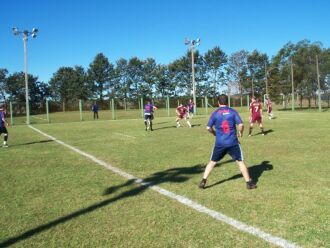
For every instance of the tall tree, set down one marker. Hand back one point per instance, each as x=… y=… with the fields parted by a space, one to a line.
x=15 y=88
x=215 y=60
x=69 y=84
x=101 y=73
x=3 y=78
x=257 y=62
x=237 y=70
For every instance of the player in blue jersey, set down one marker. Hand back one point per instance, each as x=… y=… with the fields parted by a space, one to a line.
x=222 y=124
x=149 y=115
x=3 y=124
x=95 y=110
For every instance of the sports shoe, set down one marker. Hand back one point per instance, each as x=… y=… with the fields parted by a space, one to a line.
x=202 y=184
x=5 y=145
x=251 y=185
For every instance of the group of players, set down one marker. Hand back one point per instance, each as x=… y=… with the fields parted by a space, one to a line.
x=223 y=124
x=183 y=112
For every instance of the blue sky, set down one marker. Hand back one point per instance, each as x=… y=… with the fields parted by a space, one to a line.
x=72 y=32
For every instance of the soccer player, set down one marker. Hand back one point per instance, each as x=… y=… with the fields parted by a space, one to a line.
x=95 y=110
x=149 y=115
x=190 y=107
x=268 y=103
x=3 y=124
x=256 y=115
x=224 y=120
x=182 y=113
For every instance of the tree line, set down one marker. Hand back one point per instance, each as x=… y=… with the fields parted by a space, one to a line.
x=215 y=71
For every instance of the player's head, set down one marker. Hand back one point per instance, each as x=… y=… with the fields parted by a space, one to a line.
x=223 y=99
x=2 y=106
x=253 y=99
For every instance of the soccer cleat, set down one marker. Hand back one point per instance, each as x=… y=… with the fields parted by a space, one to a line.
x=5 y=145
x=202 y=184
x=251 y=185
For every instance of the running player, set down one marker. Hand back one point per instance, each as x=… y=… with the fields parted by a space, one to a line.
x=182 y=113
x=222 y=124
x=268 y=103
x=191 y=106
x=3 y=124
x=149 y=115
x=256 y=115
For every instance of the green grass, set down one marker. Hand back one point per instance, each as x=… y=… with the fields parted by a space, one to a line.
x=53 y=197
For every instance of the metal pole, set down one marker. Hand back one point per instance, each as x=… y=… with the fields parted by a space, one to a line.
x=193 y=78
x=11 y=113
x=206 y=105
x=266 y=75
x=142 y=107
x=80 y=110
x=252 y=86
x=292 y=82
x=318 y=83
x=168 y=106
x=25 y=39
x=229 y=94
x=248 y=102
x=47 y=111
x=113 y=109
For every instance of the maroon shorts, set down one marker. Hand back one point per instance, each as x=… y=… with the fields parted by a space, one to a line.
x=255 y=119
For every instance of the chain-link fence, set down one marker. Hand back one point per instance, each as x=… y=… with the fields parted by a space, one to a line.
x=115 y=109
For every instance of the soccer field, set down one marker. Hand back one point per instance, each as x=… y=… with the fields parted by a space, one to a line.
x=53 y=196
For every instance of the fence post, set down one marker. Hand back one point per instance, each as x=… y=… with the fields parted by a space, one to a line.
x=47 y=111
x=11 y=113
x=206 y=105
x=80 y=110
x=202 y=103
x=141 y=107
x=229 y=100
x=168 y=105
x=125 y=104
x=113 y=109
x=248 y=102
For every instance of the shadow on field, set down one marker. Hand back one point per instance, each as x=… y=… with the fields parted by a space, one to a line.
x=138 y=186
x=34 y=142
x=255 y=172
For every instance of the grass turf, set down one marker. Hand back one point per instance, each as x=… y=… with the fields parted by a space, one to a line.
x=51 y=196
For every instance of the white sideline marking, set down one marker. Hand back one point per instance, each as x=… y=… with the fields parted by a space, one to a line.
x=186 y=201
x=125 y=135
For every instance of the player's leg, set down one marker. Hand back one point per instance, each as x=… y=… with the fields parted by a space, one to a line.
x=217 y=154
x=178 y=121
x=236 y=153
x=261 y=127
x=97 y=115
x=5 y=136
x=250 y=128
x=151 y=118
x=145 y=122
x=187 y=120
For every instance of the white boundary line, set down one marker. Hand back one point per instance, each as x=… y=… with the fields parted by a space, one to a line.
x=185 y=201
x=125 y=135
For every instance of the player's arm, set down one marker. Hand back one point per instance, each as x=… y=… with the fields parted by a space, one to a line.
x=260 y=110
x=211 y=130
x=240 y=129
x=4 y=121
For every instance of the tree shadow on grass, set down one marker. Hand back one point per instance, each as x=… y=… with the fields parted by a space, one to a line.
x=174 y=175
x=255 y=172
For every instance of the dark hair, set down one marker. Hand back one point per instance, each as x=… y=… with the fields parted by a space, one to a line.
x=223 y=99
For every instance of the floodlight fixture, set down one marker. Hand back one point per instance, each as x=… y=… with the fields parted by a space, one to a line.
x=26 y=34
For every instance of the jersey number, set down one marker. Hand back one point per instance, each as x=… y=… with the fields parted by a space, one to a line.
x=225 y=126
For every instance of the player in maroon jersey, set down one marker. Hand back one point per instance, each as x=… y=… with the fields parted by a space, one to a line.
x=182 y=113
x=268 y=103
x=256 y=115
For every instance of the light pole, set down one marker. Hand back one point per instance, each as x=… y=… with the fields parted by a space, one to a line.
x=318 y=83
x=192 y=44
x=26 y=34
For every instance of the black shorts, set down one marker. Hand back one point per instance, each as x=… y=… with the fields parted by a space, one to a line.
x=3 y=130
x=150 y=117
x=234 y=151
